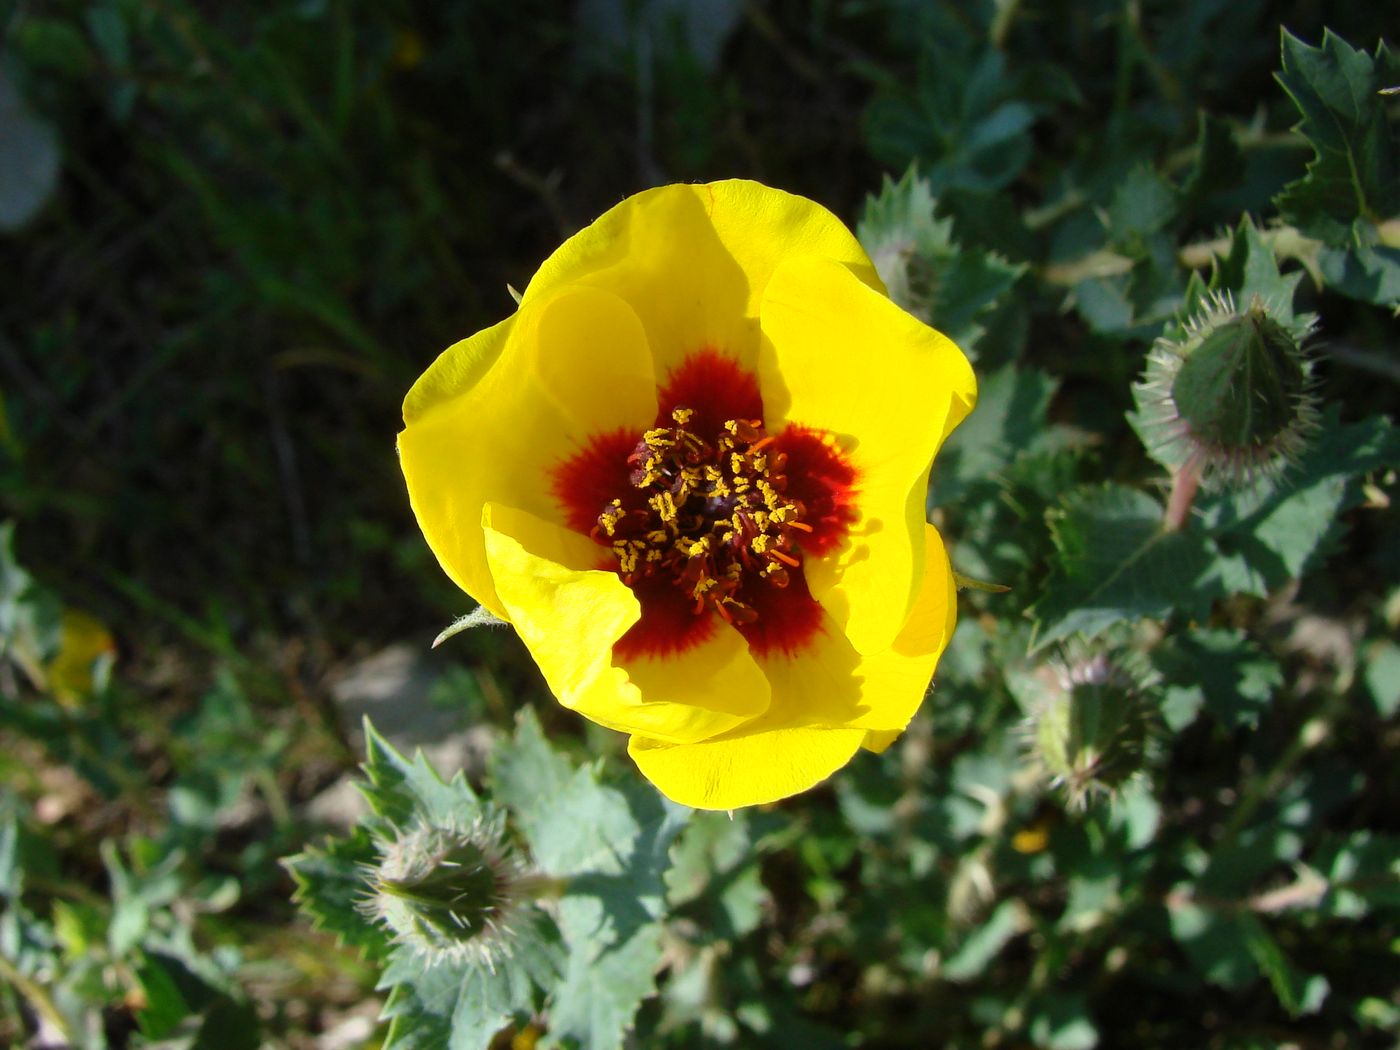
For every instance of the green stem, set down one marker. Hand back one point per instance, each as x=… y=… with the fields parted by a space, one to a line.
x=38 y=998
x=272 y=794
x=1001 y=22
x=1265 y=787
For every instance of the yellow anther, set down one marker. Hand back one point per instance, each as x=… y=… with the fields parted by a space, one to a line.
x=682 y=415
x=697 y=549
x=664 y=505
x=626 y=551
x=611 y=515
x=760 y=543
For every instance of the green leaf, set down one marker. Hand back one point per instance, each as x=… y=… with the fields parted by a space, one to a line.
x=330 y=881
x=1224 y=669
x=923 y=267
x=184 y=1010
x=1362 y=870
x=614 y=842
x=1382 y=677
x=400 y=791
x=1103 y=302
x=1355 y=173
x=29 y=159
x=1142 y=204
x=1296 y=994
x=1279 y=528
x=462 y=1005
x=1366 y=269
x=1114 y=562
x=165 y=1007
x=1219 y=162
x=52 y=45
x=960 y=121
x=527 y=775
x=984 y=943
x=715 y=870
x=1010 y=423
x=30 y=615
x=1063 y=1022
x=611 y=842
x=1250 y=270
x=1216 y=942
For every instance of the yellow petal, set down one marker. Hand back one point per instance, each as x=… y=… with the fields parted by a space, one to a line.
x=570 y=616
x=829 y=682
x=744 y=770
x=840 y=357
x=878 y=740
x=74 y=671
x=496 y=413
x=827 y=702
x=694 y=260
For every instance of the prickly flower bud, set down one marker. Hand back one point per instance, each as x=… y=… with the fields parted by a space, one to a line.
x=1231 y=396
x=1091 y=731
x=451 y=892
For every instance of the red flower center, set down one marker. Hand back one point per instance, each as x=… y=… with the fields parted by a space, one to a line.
x=707 y=517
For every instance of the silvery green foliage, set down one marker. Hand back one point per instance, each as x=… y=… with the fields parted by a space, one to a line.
x=574 y=864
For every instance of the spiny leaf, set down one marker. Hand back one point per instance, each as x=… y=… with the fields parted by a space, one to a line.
x=1355 y=173
x=614 y=841
x=611 y=842
x=399 y=790
x=1114 y=562
x=923 y=267
x=1251 y=271
x=527 y=774
x=330 y=880
x=1273 y=532
x=462 y=1005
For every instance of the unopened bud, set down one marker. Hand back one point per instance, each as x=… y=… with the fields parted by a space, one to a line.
x=1233 y=393
x=451 y=892
x=1090 y=732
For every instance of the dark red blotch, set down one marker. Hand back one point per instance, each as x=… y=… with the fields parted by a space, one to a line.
x=716 y=389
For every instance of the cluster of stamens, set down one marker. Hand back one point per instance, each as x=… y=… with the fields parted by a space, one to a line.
x=712 y=515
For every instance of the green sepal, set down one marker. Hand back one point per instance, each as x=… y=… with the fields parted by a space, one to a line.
x=1240 y=387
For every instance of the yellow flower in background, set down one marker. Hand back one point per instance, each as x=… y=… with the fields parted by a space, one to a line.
x=85 y=652
x=690 y=470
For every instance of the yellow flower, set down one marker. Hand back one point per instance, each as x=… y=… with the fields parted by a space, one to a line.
x=690 y=470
